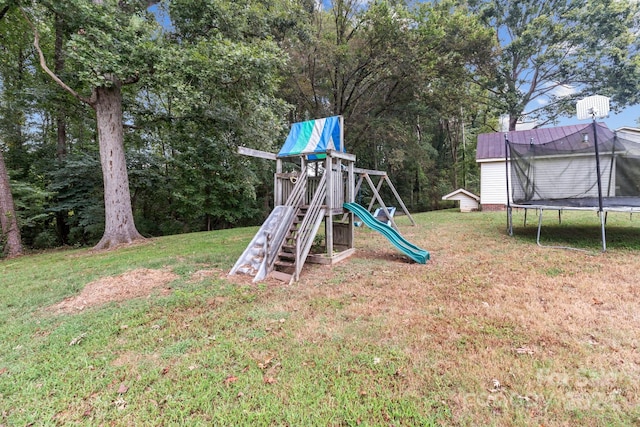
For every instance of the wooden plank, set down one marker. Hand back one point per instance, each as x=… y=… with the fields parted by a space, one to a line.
x=369 y=172
x=399 y=199
x=256 y=153
x=325 y=260
x=283 y=277
x=376 y=193
x=340 y=155
x=329 y=201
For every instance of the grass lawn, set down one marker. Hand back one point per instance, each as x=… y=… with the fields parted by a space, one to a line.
x=493 y=330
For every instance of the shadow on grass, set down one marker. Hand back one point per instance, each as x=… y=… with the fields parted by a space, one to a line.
x=581 y=236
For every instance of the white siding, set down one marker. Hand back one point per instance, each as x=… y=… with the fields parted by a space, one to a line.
x=467 y=204
x=493 y=187
x=559 y=178
x=554 y=179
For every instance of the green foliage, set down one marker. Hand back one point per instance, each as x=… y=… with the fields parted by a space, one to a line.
x=234 y=20
x=550 y=53
x=109 y=38
x=77 y=186
x=30 y=204
x=214 y=92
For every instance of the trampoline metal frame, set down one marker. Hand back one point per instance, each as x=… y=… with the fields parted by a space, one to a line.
x=603 y=206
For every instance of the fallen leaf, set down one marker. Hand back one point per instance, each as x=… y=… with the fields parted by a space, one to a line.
x=165 y=370
x=496 y=386
x=120 y=403
x=123 y=388
x=269 y=380
x=524 y=350
x=78 y=339
x=3 y=371
x=230 y=379
x=597 y=301
x=266 y=363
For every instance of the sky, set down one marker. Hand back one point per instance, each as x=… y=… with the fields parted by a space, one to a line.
x=628 y=117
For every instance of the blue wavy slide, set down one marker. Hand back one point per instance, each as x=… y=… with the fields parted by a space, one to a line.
x=417 y=254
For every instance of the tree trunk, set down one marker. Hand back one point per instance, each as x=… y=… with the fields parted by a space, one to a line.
x=8 y=220
x=513 y=121
x=119 y=226
x=62 y=225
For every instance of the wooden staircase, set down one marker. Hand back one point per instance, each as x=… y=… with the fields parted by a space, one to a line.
x=297 y=243
x=285 y=264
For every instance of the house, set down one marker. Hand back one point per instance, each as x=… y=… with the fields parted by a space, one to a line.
x=468 y=201
x=490 y=156
x=629 y=133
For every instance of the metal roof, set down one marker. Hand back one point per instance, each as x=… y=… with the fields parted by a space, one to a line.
x=491 y=145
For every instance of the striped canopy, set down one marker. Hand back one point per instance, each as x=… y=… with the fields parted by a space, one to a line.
x=314 y=137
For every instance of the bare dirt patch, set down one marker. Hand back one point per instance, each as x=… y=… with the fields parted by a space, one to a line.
x=132 y=284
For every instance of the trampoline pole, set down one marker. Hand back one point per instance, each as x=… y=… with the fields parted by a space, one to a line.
x=604 y=239
x=600 y=207
x=506 y=169
x=539 y=228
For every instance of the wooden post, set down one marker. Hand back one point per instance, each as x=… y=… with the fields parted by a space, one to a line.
x=395 y=193
x=351 y=197
x=376 y=193
x=306 y=199
x=277 y=185
x=351 y=190
x=328 y=220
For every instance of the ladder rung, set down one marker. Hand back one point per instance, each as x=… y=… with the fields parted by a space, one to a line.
x=281 y=263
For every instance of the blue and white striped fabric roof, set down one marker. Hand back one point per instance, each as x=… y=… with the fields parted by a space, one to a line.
x=314 y=137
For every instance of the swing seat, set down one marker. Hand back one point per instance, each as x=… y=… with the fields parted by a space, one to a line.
x=381 y=216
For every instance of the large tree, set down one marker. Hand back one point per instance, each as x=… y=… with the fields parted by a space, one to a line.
x=552 y=52
x=112 y=46
x=12 y=72
x=10 y=232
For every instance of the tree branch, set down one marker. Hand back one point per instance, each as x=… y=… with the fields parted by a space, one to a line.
x=4 y=10
x=43 y=64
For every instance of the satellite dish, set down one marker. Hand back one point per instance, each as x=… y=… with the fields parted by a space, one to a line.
x=593 y=107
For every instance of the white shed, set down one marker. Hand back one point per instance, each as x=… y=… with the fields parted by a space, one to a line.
x=468 y=201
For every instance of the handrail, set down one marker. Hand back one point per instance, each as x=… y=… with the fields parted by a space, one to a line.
x=309 y=225
x=296 y=196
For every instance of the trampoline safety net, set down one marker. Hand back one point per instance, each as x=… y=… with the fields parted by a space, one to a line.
x=563 y=172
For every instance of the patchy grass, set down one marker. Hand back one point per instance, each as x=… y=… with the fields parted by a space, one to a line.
x=493 y=330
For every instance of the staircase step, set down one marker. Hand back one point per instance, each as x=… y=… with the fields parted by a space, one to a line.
x=286 y=255
x=283 y=277
x=286 y=264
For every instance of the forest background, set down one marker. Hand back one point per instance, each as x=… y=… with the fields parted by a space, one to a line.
x=177 y=85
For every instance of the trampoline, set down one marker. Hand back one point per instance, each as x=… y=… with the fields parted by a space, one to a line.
x=588 y=169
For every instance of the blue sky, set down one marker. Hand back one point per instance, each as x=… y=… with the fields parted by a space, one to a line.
x=627 y=117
